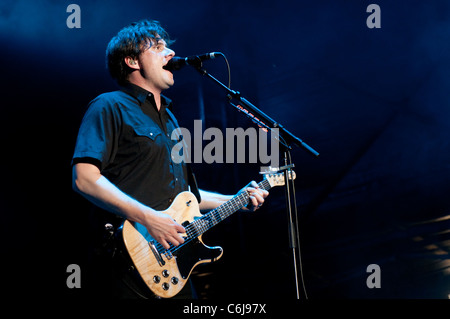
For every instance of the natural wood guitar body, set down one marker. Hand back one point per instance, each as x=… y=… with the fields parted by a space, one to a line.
x=166 y=271
x=163 y=275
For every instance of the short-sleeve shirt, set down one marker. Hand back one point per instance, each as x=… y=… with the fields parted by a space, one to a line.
x=130 y=141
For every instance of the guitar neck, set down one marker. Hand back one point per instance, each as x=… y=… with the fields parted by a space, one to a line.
x=215 y=216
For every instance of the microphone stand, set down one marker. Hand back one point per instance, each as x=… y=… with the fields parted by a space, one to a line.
x=287 y=140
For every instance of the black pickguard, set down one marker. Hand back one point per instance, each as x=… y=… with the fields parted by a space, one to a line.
x=193 y=252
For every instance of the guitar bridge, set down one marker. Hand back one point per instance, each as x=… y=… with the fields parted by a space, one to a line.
x=158 y=257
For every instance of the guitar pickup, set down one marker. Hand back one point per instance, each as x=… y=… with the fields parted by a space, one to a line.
x=158 y=257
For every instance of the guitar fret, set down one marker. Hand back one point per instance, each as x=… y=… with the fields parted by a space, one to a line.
x=215 y=216
x=209 y=220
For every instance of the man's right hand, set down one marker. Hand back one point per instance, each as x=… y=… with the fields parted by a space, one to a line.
x=164 y=228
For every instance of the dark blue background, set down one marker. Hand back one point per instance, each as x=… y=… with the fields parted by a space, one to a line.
x=373 y=102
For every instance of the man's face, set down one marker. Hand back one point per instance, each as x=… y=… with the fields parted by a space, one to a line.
x=151 y=62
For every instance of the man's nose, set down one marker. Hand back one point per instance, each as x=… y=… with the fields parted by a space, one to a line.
x=170 y=52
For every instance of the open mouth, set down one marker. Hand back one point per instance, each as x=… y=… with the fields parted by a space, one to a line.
x=174 y=64
x=167 y=67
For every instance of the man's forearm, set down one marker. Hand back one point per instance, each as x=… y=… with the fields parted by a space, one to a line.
x=211 y=200
x=101 y=192
x=88 y=181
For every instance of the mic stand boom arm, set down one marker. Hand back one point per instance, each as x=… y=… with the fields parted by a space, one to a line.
x=262 y=118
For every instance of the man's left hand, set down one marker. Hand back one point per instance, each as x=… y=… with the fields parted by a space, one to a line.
x=256 y=195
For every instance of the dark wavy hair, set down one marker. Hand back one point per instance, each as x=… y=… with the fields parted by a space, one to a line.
x=132 y=41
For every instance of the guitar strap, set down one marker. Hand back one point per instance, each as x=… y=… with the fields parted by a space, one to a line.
x=193 y=183
x=191 y=176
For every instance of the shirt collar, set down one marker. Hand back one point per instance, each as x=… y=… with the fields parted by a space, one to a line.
x=142 y=94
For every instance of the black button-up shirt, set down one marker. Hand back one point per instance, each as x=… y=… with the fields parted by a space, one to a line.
x=125 y=135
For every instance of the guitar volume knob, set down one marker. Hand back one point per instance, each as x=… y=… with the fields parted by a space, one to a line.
x=174 y=280
x=165 y=286
x=165 y=273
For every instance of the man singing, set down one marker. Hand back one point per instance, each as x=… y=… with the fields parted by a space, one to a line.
x=122 y=161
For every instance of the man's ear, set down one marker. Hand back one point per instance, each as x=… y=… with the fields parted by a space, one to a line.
x=132 y=63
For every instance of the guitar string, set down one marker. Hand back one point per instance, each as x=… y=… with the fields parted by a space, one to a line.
x=221 y=212
x=201 y=225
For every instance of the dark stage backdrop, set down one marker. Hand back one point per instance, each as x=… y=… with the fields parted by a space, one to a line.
x=373 y=101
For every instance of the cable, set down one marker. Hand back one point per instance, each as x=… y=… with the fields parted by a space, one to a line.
x=228 y=67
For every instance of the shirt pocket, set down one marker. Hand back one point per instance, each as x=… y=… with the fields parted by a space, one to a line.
x=147 y=137
x=150 y=132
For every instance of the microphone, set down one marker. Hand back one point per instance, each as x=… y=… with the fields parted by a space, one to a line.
x=177 y=63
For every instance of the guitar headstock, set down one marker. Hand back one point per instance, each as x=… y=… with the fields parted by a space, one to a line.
x=277 y=179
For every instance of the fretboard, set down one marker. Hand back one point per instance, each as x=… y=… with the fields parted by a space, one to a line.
x=215 y=216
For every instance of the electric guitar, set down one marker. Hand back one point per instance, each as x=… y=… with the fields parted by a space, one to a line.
x=166 y=271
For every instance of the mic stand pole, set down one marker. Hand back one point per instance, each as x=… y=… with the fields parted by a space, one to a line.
x=286 y=139
x=293 y=225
